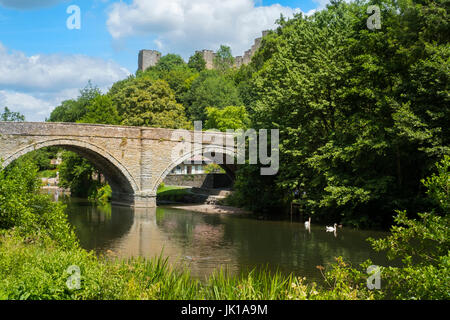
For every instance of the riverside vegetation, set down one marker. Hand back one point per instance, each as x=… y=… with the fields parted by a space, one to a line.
x=362 y=114
x=37 y=246
x=363 y=118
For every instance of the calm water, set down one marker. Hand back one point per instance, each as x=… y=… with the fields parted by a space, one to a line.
x=205 y=242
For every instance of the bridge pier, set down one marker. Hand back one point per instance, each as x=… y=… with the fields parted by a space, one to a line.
x=140 y=200
x=145 y=200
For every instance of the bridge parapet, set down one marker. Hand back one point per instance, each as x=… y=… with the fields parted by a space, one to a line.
x=134 y=160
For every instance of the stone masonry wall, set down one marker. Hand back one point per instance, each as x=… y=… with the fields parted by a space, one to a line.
x=134 y=159
x=149 y=58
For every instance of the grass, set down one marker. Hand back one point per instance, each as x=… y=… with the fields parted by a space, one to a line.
x=172 y=193
x=38 y=270
x=47 y=173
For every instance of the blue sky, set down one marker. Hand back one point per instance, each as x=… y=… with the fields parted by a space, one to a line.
x=42 y=62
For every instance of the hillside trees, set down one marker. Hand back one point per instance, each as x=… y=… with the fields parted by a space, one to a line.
x=143 y=101
x=210 y=89
x=196 y=62
x=361 y=113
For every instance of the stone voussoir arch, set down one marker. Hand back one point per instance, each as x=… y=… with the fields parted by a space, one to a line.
x=73 y=145
x=134 y=160
x=200 y=151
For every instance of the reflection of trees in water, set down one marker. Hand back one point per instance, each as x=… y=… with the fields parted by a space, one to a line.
x=208 y=241
x=191 y=228
x=286 y=246
x=177 y=225
x=97 y=226
x=201 y=239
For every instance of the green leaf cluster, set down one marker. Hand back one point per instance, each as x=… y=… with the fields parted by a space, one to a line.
x=363 y=114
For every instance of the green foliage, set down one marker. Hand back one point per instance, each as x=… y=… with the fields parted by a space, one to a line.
x=42 y=158
x=169 y=62
x=423 y=246
x=196 y=62
x=438 y=185
x=31 y=214
x=172 y=69
x=255 y=192
x=172 y=193
x=76 y=173
x=101 y=110
x=231 y=117
x=9 y=115
x=143 y=101
x=362 y=114
x=210 y=89
x=35 y=272
x=47 y=174
x=39 y=271
x=213 y=168
x=102 y=195
x=224 y=59
x=74 y=110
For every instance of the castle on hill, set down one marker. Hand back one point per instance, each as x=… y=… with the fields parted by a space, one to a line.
x=149 y=58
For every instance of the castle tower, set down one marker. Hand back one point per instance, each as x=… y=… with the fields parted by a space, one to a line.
x=208 y=56
x=148 y=58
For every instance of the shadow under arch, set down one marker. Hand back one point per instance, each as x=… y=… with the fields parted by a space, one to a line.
x=122 y=183
x=207 y=152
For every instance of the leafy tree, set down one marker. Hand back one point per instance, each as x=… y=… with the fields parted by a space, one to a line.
x=196 y=62
x=90 y=107
x=30 y=213
x=143 y=101
x=74 y=110
x=224 y=59
x=210 y=89
x=438 y=185
x=231 y=117
x=77 y=174
x=101 y=110
x=169 y=62
x=361 y=113
x=172 y=69
x=68 y=111
x=9 y=115
x=423 y=246
x=42 y=158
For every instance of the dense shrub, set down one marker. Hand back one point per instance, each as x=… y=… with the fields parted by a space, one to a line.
x=32 y=214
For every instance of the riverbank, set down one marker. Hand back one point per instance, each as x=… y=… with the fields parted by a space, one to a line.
x=212 y=208
x=55 y=189
x=38 y=269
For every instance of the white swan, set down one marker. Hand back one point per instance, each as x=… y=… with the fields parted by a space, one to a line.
x=308 y=223
x=331 y=229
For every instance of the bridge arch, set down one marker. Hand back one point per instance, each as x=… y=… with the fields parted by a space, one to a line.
x=121 y=181
x=201 y=151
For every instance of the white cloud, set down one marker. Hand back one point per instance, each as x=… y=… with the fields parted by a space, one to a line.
x=33 y=108
x=183 y=26
x=34 y=85
x=28 y=4
x=321 y=4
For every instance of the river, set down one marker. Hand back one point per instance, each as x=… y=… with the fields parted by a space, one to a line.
x=204 y=242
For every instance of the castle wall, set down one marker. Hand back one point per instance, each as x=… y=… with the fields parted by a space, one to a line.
x=148 y=58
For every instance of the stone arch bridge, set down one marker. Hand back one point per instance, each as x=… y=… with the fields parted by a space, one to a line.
x=134 y=160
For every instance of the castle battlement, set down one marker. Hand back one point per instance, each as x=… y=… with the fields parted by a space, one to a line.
x=149 y=58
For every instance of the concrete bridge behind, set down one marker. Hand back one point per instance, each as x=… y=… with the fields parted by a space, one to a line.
x=134 y=160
